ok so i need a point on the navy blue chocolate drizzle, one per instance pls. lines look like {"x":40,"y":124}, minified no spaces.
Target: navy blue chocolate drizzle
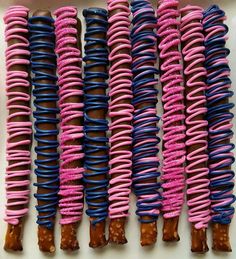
{"x":219,"y":112}
{"x":96,"y":165}
{"x":43,"y":64}
{"x":144,"y":121}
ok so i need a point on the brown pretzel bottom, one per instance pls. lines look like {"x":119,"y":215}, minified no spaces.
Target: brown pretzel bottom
{"x":170,"y":230}
{"x":199,"y":240}
{"x":13,"y":237}
{"x":46,"y":239}
{"x":221,"y":241}
{"x":69,"y":240}
{"x":97,"y":234}
{"x":148,"y":233}
{"x":117,"y":231}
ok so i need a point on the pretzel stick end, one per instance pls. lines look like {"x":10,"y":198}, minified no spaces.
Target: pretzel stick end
{"x":69,"y":240}
{"x":170,"y":230}
{"x":46,"y":239}
{"x":199,"y":240}
{"x":97,"y":235}
{"x":148,"y":233}
{"x":117,"y":231}
{"x":13,"y":237}
{"x":221,"y":241}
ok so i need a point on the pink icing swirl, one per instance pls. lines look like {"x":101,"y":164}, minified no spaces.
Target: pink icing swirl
{"x":173,"y":104}
{"x":70,"y":83}
{"x":18,"y":121}
{"x":198,"y":182}
{"x":120,"y":111}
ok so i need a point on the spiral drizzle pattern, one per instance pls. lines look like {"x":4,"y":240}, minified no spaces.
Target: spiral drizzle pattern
{"x":120,"y":109}
{"x":197,"y":157}
{"x":173,"y":105}
{"x":219,"y":116}
{"x":145,"y":140}
{"x":71,"y":111}
{"x":18,"y":121}
{"x":96,"y":100}
{"x":43,"y":64}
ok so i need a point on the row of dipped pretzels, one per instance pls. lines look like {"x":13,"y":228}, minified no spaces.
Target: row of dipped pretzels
{"x":82,"y":155}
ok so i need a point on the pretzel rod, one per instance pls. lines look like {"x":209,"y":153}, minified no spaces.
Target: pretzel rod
{"x":43,"y":63}
{"x":96,"y":125}
{"x":173,"y":117}
{"x":18,"y":124}
{"x":68,"y":48}
{"x":220,"y":125}
{"x":197,"y":157}
{"x":145,"y":140}
{"x":120,"y":112}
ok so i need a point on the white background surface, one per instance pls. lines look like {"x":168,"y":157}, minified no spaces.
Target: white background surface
{"x":132,"y":250}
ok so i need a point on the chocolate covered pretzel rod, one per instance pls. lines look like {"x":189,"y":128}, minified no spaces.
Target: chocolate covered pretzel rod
{"x":96,"y":125}
{"x":173,"y":117}
{"x":219,"y":118}
{"x":43,"y":63}
{"x":197,"y":171}
{"x":18,"y":124}
{"x":120,"y":112}
{"x":68,"y":48}
{"x":145,"y":139}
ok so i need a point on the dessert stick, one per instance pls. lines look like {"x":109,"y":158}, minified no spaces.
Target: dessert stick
{"x":68,"y":48}
{"x":145,"y":139}
{"x":192,"y":40}
{"x":120,"y":112}
{"x":219,"y":118}
{"x":96,"y":125}
{"x":19,"y":126}
{"x":173,"y":117}
{"x":43,"y":63}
